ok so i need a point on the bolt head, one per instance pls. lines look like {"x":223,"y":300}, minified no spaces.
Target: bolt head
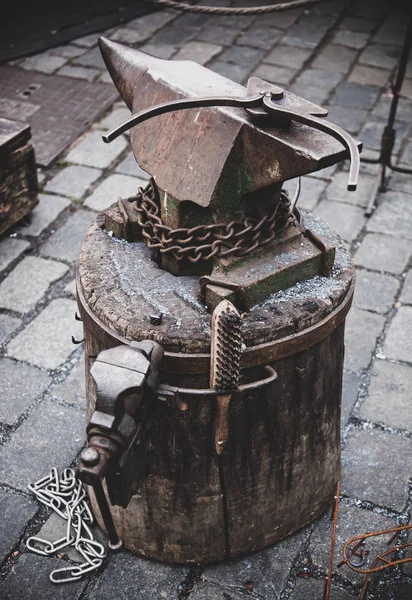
{"x":90,"y":457}
{"x":156,"y":319}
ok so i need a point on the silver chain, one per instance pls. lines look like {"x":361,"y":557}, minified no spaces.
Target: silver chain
{"x":67,"y":497}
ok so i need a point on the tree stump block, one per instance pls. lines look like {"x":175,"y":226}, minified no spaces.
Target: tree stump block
{"x":281,"y":464}
{"x":18,"y":176}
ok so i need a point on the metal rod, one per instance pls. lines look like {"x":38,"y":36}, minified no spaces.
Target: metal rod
{"x":167,"y":107}
{"x":400,"y":75}
{"x":389,"y":133}
{"x":371,"y":203}
{"x":115,"y":542}
{"x":333,"y":130}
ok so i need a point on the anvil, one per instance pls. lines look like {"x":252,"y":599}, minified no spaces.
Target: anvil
{"x":218,"y":164}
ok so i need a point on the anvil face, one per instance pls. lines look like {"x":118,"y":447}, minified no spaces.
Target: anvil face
{"x":213,"y":157}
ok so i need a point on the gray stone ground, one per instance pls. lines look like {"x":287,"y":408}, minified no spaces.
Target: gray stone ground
{"x":341,"y":54}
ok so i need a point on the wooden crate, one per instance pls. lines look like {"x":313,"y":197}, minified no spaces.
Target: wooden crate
{"x":18,"y":176}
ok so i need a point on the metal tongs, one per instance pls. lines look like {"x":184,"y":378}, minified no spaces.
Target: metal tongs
{"x":269,"y":101}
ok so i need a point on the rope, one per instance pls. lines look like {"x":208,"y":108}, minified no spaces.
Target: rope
{"x":247,"y":10}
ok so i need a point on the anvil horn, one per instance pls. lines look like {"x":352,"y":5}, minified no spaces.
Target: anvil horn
{"x":125,"y":66}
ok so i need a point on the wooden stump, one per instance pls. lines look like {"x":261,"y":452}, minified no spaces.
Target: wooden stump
{"x":281,"y":464}
{"x":18,"y":176}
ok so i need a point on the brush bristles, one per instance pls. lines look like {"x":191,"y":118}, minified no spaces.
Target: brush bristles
{"x":228,"y":351}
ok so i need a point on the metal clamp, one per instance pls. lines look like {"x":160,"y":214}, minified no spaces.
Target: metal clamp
{"x":268,"y":100}
{"x":126,"y":379}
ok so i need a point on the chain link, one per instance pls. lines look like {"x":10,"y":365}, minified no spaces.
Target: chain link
{"x":67,"y":497}
{"x":245,"y":10}
{"x":203,"y":242}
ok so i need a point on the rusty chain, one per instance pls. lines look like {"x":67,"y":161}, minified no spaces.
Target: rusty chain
{"x":244,"y":10}
{"x":203,"y":242}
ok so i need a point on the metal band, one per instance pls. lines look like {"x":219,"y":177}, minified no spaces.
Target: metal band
{"x":253,"y":356}
{"x":246,"y":387}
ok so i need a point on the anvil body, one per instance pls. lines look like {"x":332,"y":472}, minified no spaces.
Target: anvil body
{"x":215,"y":156}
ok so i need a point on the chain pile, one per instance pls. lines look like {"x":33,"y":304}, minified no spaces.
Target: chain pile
{"x":203,"y":242}
{"x":67,"y":497}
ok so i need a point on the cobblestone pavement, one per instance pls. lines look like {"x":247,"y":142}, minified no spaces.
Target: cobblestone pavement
{"x":341,"y":54}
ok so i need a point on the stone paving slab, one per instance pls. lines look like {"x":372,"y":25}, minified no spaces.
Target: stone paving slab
{"x":350,"y":390}
{"x":125,"y":572}
{"x":73,"y":181}
{"x":51,"y":436}
{"x":289,"y":56}
{"x":353,"y":39}
{"x":267,"y":570}
{"x":72,"y":390}
{"x":337,"y":189}
{"x":316,"y":84}
{"x":201,"y":52}
{"x":129,"y":166}
{"x":375,"y":291}
{"x":369,"y":75}
{"x":312,"y":190}
{"x":8,"y":324}
{"x":28,"y":282}
{"x":371,"y":133}
{"x":377,"y":55}
{"x":376,"y":468}
{"x":392,"y":216}
{"x":20,"y":385}
{"x":351,"y":119}
{"x":86,"y":73}
{"x":111,"y":189}
{"x":208,"y":591}
{"x":15,"y":512}
{"x":406,"y":295}
{"x":46,"y":62}
{"x":91,"y":151}
{"x":29,"y":580}
{"x":362,"y":331}
{"x":46,"y":341}
{"x":43,"y":214}
{"x":71,"y":288}
{"x":398,"y":343}
{"x":115,"y":117}
{"x":384,"y":253}
{"x":389,"y":400}
{"x":66,"y":242}
{"x":334,"y":57}
{"x":307,"y":589}
{"x":356,"y":95}
{"x":282,"y":75}
{"x":10,"y":250}
{"x":346,"y":219}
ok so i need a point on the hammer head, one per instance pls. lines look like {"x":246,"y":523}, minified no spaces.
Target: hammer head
{"x":218,"y":157}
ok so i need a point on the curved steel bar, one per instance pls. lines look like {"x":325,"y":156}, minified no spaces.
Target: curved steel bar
{"x":254,"y":385}
{"x":167,"y":107}
{"x":329,"y":128}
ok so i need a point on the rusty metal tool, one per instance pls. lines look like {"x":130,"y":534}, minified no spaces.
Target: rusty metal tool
{"x":226,"y":349}
{"x":268,"y":100}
